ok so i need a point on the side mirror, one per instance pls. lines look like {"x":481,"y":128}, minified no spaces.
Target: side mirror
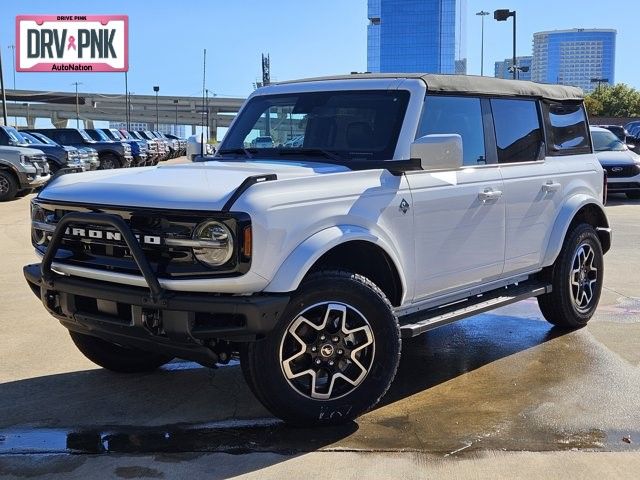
{"x":438,"y":152}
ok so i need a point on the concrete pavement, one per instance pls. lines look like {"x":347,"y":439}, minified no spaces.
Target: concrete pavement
{"x":500,"y":381}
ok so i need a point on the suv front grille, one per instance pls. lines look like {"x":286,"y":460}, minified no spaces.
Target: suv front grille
{"x":105,"y":252}
{"x":622,"y":171}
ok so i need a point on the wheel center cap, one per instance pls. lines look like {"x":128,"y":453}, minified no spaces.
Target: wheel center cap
{"x":326,"y":350}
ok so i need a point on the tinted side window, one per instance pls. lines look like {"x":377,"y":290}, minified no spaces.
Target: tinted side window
{"x":518,"y":132}
{"x":567,"y":128}
{"x":461,"y":115}
{"x":57,"y":137}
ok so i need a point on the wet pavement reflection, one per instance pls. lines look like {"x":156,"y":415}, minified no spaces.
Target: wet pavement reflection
{"x":505,"y":380}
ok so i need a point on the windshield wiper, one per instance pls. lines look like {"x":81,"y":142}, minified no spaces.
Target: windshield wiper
{"x":311,"y":151}
{"x":247,"y":153}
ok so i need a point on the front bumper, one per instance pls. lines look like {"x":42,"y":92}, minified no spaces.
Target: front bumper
{"x":180,"y":324}
{"x":623,"y":185}
{"x":33,"y":180}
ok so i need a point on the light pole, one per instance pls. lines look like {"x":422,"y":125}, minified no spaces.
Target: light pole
{"x":175,"y":131}
{"x":482,"y":14}
{"x":502,"y":16}
{"x":156,"y":89}
{"x":77,"y":104}
{"x":599,"y":81}
{"x":13,"y":54}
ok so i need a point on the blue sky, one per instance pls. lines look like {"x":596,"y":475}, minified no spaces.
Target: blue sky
{"x":303,"y":37}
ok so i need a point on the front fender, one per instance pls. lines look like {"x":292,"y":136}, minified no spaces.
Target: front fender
{"x":567,"y":212}
{"x":303,"y":257}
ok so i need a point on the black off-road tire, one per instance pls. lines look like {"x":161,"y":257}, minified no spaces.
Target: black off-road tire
{"x":633,"y":195}
{"x":8,"y":186}
{"x":263,"y":365}
{"x":109,"y":159}
{"x":559,"y":306}
{"x":117,"y":358}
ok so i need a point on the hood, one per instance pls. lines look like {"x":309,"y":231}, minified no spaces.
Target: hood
{"x":19,"y":151}
{"x":197,"y":186}
{"x":624,"y":157}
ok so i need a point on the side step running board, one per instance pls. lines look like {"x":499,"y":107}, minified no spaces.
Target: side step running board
{"x":420,"y":322}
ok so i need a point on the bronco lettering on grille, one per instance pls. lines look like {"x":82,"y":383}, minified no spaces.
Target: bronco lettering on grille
{"x":110,"y":235}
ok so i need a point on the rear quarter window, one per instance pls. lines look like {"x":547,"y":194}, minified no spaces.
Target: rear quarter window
{"x":567,"y":128}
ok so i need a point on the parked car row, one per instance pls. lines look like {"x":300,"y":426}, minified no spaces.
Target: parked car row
{"x":30,"y":157}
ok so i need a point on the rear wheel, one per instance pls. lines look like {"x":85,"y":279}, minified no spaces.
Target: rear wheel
{"x":8,"y":186}
{"x":115,"y":357}
{"x":576,"y":278}
{"x":633,"y":195}
{"x":333,"y":354}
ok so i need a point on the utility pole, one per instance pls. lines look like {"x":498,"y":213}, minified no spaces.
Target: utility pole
{"x":482,"y":14}
{"x":4,"y":94}
{"x":77,"y":104}
{"x":266,"y":81}
{"x":204,"y":79}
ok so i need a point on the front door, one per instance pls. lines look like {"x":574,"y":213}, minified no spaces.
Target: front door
{"x":459,"y":216}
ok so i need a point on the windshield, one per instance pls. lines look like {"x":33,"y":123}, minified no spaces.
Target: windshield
{"x":343,"y":125}
{"x":605,"y":141}
{"x":31,"y":140}
{"x":44,"y":139}
{"x":15,"y":137}
{"x":85,"y":136}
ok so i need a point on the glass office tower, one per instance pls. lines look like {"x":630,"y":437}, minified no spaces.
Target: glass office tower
{"x":579,"y":57}
{"x":503,"y":68}
{"x":416,"y":36}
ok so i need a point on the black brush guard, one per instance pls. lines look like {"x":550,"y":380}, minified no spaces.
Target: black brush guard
{"x":186,"y":320}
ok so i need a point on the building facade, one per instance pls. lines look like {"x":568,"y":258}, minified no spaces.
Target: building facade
{"x":503,"y":68}
{"x":579,"y":57}
{"x":416,"y":36}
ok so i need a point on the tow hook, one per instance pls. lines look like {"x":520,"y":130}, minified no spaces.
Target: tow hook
{"x":152,"y":321}
{"x":51,"y":301}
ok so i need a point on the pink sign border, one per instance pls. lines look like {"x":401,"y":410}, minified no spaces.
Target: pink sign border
{"x":98,"y":67}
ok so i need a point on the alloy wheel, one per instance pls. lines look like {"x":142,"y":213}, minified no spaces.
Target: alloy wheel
{"x":583,"y":277}
{"x":327,"y":351}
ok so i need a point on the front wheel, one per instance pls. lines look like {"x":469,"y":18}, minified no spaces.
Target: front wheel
{"x":115,"y":357}
{"x":333,"y":354}
{"x":8,"y":186}
{"x":109,"y":161}
{"x":576,"y":278}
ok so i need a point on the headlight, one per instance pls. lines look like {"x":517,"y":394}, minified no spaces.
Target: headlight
{"x":216,"y":243}
{"x":25,"y":161}
{"x":37,"y":219}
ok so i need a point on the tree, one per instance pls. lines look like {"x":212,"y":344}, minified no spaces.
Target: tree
{"x":619,"y":100}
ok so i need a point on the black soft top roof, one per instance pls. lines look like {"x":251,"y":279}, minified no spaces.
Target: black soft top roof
{"x":470,"y":84}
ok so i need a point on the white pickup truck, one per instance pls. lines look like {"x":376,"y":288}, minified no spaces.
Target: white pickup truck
{"x":406,"y":202}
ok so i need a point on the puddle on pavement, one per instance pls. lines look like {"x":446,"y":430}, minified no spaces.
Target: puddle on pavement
{"x":500,"y":381}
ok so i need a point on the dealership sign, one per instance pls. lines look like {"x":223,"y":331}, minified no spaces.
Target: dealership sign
{"x":72,"y":43}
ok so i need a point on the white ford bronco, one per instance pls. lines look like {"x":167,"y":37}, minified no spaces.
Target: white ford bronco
{"x":384,"y":206}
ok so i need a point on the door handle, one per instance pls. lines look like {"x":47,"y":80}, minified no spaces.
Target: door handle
{"x":488,"y":194}
{"x":551,"y":186}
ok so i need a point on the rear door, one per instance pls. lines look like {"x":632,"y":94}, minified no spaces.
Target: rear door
{"x":532,"y":187}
